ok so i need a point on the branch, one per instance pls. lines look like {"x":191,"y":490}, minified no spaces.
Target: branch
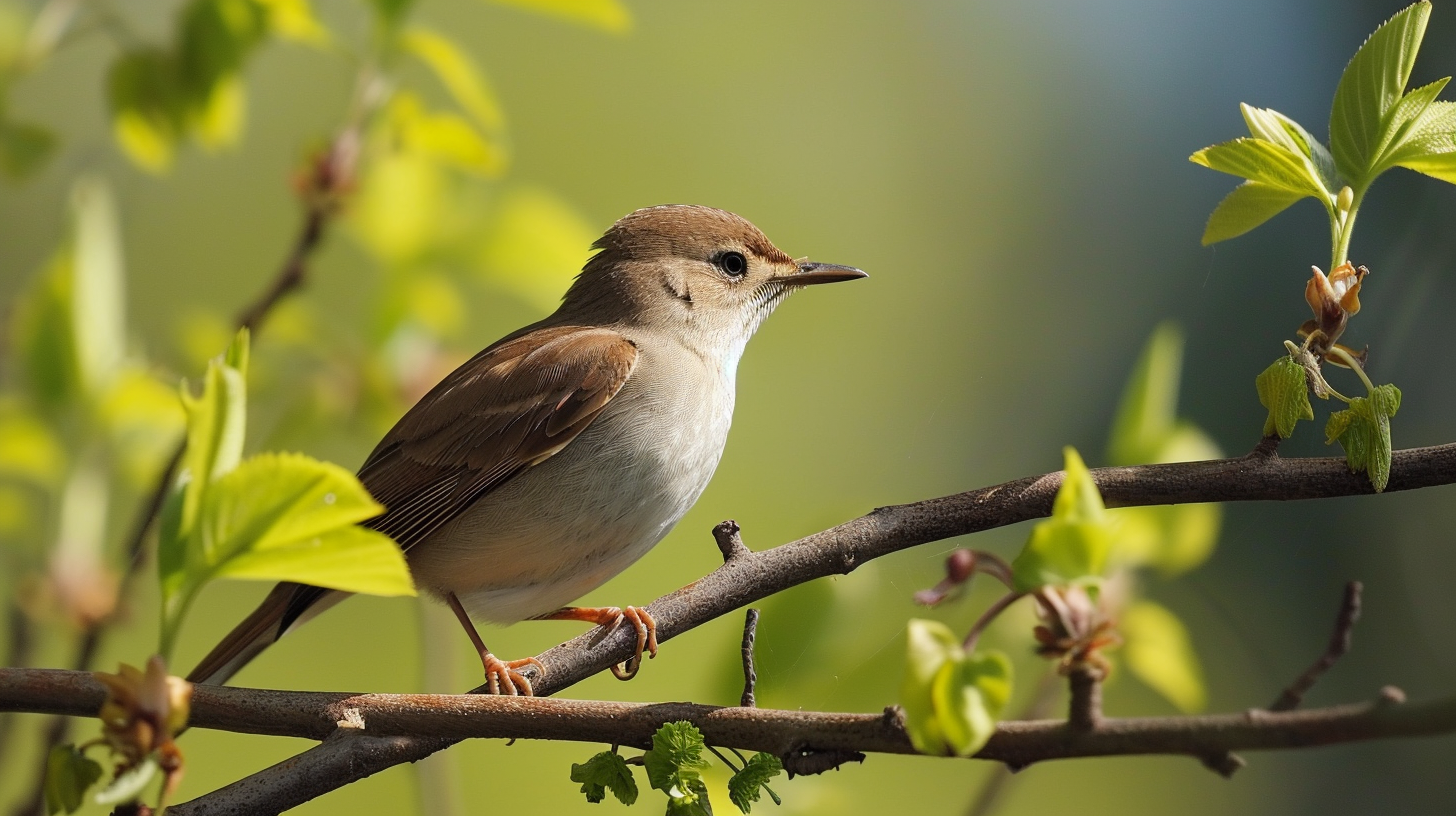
{"x":1339,"y":645}
{"x":747,"y":576}
{"x":339,"y":718}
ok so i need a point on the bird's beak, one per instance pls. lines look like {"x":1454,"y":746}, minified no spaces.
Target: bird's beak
{"x":811,"y":273}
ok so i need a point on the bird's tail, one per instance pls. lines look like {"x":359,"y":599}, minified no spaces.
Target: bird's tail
{"x":287,"y":606}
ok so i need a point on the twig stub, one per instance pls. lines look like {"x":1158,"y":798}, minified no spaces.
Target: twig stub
{"x":730,"y":540}
{"x":1339,"y":644}
{"x":750,"y":676}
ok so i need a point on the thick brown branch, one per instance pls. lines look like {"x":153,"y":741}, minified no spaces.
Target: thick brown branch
{"x":343,"y":717}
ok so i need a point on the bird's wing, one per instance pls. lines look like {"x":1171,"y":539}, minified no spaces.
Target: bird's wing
{"x":512,"y":406}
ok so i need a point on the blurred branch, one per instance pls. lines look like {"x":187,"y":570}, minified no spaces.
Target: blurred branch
{"x":340,"y":719}
{"x":1339,"y":645}
{"x":750,"y":576}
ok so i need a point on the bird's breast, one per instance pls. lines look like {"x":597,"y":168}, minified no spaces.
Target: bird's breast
{"x":567,"y":525}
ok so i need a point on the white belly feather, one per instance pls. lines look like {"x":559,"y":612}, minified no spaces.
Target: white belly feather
{"x":567,"y":525}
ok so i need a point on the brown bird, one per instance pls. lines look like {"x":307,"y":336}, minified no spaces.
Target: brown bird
{"x":559,"y":455}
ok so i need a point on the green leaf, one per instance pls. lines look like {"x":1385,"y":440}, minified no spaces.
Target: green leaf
{"x":216,"y":117}
{"x":608,"y":15}
{"x":29,"y":450}
{"x":147,"y":106}
{"x":1160,"y":652}
{"x":1273,"y":126}
{"x":24,"y":148}
{"x":294,"y":20}
{"x":535,"y":245}
{"x":1430,"y":146}
{"x":128,"y":786}
{"x":1246,"y":207}
{"x":606,"y":771}
{"x":1149,"y":405}
{"x":69,"y":774}
{"x":98,"y":293}
{"x":44,"y":338}
{"x":758,"y":771}
{"x":216,"y":423}
{"x":443,"y":136}
{"x":951,"y":700}
{"x":970,"y":694}
{"x":1172,"y":539}
{"x":215,"y":37}
{"x":288,"y":517}
{"x":1363,"y":430}
{"x":1369,"y":90}
{"x":676,"y":756}
{"x":458,"y":74}
{"x":1266,"y":162}
{"x":1284,"y":390}
{"x":1072,"y":545}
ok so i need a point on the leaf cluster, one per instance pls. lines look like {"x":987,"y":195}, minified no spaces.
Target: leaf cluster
{"x":1375,"y":125}
{"x":281,"y":517}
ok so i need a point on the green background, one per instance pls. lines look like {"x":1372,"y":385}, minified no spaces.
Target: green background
{"x":1014,"y":177}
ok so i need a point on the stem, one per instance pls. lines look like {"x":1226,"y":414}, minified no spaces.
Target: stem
{"x":991,"y":613}
{"x":1355,"y":366}
{"x":1342,"y":243}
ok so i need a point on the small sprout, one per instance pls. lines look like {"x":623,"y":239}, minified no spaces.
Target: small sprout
{"x":1345,"y":200}
{"x":960,"y":567}
{"x":142,"y":714}
{"x":1075,"y":627}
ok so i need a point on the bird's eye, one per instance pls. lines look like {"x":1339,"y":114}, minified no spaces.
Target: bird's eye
{"x":733,"y":263}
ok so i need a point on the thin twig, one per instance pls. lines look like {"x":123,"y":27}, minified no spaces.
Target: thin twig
{"x":992,"y":612}
{"x":750,"y":677}
{"x":1339,"y":644}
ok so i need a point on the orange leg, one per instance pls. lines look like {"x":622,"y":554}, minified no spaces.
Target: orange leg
{"x":501,"y":676}
{"x":610,"y":617}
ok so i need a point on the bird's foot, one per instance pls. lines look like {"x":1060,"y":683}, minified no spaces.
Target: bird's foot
{"x":504,"y":677}
{"x":609,"y":617}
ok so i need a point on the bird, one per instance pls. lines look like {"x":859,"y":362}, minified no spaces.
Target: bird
{"x":562,"y":453}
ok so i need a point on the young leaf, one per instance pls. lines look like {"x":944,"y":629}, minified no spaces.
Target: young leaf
{"x":147,"y":106}
{"x":98,"y":294}
{"x":1246,"y":207}
{"x":1072,"y":545}
{"x":1430,"y":145}
{"x":757,"y":772}
{"x":951,"y":700}
{"x":458,"y":74}
{"x":1363,"y":430}
{"x":930,"y":645}
{"x":294,"y":20}
{"x":606,"y":771}
{"x":1265,"y":162}
{"x":534,"y":247}
{"x":216,"y":422}
{"x":609,"y":15}
{"x":444,"y":136}
{"x":676,"y":756}
{"x":1370,"y":88}
{"x":969,"y":694}
{"x":1273,"y":126}
{"x":68,"y":775}
{"x":1149,"y":405}
{"x":1284,"y":390}
{"x":1160,"y":652}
